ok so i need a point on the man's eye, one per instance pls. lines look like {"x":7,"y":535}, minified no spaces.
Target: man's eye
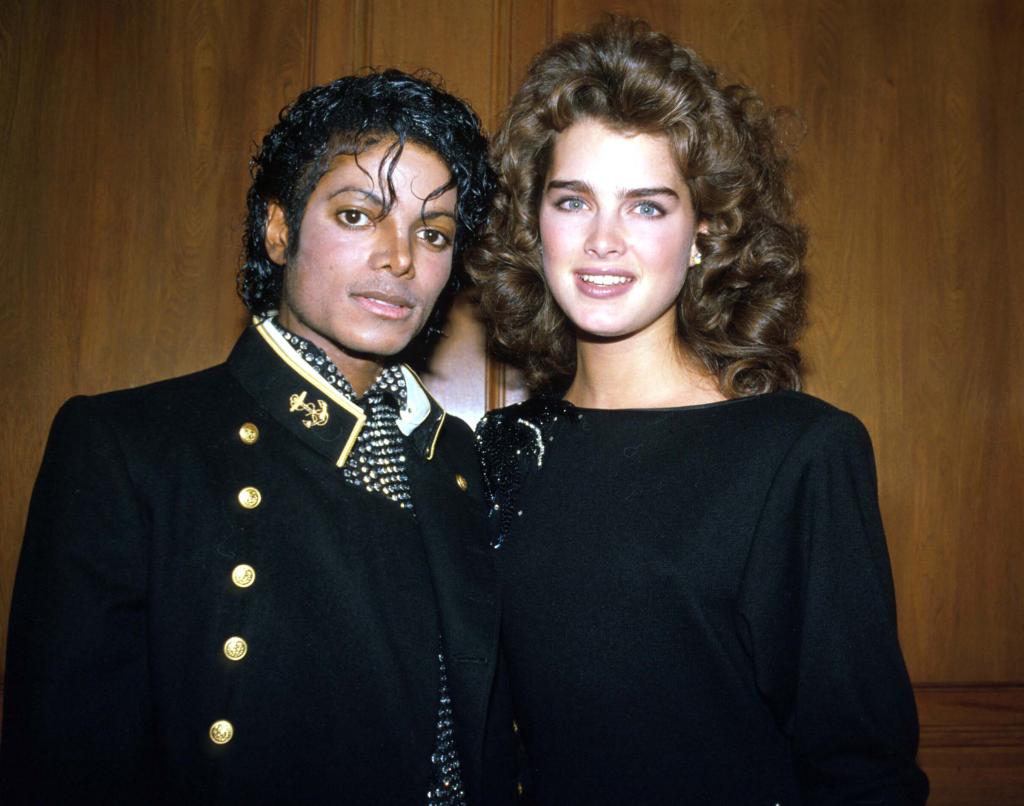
{"x":435,"y":237}
{"x":354,"y":218}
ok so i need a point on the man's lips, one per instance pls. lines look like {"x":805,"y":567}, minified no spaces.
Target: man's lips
{"x":385,"y":303}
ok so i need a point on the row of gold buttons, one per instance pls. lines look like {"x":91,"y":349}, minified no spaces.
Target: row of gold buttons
{"x":242,"y":576}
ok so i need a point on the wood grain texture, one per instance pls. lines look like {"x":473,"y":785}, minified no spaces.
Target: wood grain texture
{"x":972,"y":744}
{"x":127,"y":130}
{"x":340,"y":38}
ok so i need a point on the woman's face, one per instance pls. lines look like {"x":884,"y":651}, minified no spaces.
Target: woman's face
{"x":617,"y":228}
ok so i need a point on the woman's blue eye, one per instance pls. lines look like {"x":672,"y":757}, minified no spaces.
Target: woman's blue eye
{"x":571,"y":204}
{"x":648,"y":209}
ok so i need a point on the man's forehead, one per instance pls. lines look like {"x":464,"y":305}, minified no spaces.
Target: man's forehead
{"x":369,"y":171}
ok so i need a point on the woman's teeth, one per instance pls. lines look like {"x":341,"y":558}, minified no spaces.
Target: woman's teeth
{"x":605,"y":279}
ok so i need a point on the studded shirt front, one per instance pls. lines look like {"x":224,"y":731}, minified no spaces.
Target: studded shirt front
{"x":377,"y":461}
{"x":378,"y":465}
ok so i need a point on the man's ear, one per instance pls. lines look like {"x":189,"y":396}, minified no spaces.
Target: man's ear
{"x":276,"y":240}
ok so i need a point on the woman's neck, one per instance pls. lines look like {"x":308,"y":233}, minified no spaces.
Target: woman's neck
{"x":644,"y":371}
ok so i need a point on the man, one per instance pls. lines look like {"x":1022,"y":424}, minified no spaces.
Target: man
{"x":267,"y":582}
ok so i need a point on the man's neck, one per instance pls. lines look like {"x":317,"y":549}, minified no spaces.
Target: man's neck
{"x":359,"y":370}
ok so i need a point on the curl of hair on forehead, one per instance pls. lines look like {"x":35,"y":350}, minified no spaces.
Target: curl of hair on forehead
{"x":742,"y":309}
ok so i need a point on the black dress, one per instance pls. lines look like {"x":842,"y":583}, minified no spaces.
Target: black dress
{"x":698,"y":605}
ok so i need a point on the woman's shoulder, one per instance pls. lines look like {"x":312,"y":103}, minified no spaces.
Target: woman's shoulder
{"x":798,"y":410}
{"x":537,"y":409}
{"x":803,"y":413}
{"x":800,"y":429}
{"x":527,"y":422}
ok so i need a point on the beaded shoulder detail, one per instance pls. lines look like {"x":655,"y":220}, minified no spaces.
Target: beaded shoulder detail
{"x":512,"y":441}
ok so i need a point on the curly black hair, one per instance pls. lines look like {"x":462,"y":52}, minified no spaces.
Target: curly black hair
{"x":348,"y":116}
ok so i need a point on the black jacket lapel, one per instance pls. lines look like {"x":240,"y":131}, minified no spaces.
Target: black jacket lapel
{"x":295,"y":395}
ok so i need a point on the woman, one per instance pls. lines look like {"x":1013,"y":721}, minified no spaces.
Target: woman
{"x":698,"y":605}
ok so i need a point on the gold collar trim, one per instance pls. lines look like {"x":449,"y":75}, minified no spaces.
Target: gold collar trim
{"x":287,"y":354}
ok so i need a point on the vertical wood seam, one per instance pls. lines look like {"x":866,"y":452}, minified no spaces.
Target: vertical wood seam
{"x":367,"y":14}
{"x":311,"y":34}
{"x":501,"y":92}
{"x":501,"y":60}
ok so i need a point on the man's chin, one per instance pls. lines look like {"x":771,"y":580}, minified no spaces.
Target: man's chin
{"x":381,"y":346}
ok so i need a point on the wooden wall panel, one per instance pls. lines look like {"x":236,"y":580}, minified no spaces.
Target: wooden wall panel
{"x":126,"y":131}
{"x":972,"y":744}
{"x":339,"y":39}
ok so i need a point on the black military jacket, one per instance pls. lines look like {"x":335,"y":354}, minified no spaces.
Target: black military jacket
{"x":172,"y":523}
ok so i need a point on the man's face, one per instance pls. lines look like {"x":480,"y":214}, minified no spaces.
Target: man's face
{"x":360,"y":286}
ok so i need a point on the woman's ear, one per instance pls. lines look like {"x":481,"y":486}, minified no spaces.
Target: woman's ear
{"x":695,"y":255}
{"x":276,"y":239}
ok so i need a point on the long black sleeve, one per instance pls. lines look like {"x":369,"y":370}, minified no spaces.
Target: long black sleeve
{"x":77,"y":712}
{"x":819,"y":602}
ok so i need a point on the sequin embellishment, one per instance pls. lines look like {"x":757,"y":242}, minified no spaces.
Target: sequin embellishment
{"x":377,"y":461}
{"x":507,"y":440}
{"x":446,"y":789}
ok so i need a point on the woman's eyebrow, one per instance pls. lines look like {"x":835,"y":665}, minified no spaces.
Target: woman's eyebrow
{"x":579,"y":186}
{"x":656,"y":191}
{"x":575,"y":185}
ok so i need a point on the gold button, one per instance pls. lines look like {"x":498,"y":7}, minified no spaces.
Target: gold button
{"x":249,"y":497}
{"x":221,"y":731}
{"x":243,"y":575}
{"x":235,"y":648}
{"x":248,"y":433}
{"x":461,"y":481}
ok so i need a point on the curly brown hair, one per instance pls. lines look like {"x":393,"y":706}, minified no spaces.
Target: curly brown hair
{"x":741,"y":310}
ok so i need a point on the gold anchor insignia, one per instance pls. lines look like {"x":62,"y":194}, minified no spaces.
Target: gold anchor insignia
{"x":316,"y":414}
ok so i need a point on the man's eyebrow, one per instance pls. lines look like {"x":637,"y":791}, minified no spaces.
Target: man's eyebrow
{"x":369,"y":195}
{"x":430,"y":215}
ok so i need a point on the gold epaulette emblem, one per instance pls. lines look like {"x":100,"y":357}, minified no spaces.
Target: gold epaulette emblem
{"x":316,"y":413}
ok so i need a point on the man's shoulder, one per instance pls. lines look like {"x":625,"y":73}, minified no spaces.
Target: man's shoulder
{"x":178,"y":395}
{"x":162,"y":415}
